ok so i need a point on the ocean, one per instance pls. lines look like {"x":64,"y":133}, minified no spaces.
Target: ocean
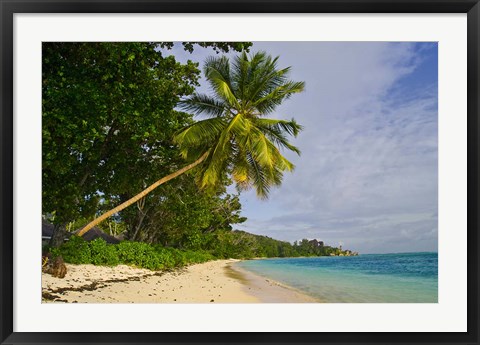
{"x":367,"y":278}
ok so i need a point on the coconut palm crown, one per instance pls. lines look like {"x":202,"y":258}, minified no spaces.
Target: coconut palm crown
{"x":236,"y":136}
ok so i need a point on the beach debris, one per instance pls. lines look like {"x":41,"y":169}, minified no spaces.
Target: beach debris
{"x":52,"y":297}
{"x":49,"y":294}
{"x":56,"y":267}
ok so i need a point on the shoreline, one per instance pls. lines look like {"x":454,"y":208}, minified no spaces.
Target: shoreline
{"x":268,"y":290}
{"x":218,"y":281}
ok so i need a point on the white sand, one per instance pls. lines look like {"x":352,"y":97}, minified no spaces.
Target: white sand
{"x":210,"y":282}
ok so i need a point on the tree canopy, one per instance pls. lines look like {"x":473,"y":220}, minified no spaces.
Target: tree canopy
{"x":108,"y":119}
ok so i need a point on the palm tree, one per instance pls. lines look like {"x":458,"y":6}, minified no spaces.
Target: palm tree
{"x":235,"y":137}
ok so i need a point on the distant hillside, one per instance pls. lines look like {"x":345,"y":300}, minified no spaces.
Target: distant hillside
{"x":242,"y":244}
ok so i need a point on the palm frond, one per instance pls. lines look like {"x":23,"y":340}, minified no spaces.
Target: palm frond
{"x":280,"y":162}
{"x":266,"y":81}
{"x":200,"y":133}
{"x":269,"y":101}
{"x":211,"y":171}
{"x":240,"y":74}
{"x":217,"y":72}
{"x":291,"y":127}
{"x":261,"y":150}
{"x":274,"y":130}
{"x":203,"y":104}
{"x":222,"y":150}
{"x":240,"y":168}
{"x":258,"y":178}
{"x":262,"y":161}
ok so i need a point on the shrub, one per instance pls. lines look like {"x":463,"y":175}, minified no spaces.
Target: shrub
{"x":197,"y":256}
{"x":131,"y":253}
{"x":74,"y":251}
{"x":102,"y":253}
{"x":139,"y":254}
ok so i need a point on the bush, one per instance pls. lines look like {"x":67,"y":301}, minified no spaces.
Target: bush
{"x":103,"y":254}
{"x":139,"y":254}
{"x":74,"y":251}
{"x":170,"y":257}
{"x":197,"y":256}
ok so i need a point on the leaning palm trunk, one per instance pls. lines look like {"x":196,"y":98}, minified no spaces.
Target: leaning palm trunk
{"x":140,"y":195}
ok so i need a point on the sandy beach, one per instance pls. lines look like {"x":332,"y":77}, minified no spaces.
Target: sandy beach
{"x":211,"y":282}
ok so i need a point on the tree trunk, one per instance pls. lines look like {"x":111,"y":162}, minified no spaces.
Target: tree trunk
{"x":141,"y":195}
{"x":139,"y":223}
{"x":58,"y":236}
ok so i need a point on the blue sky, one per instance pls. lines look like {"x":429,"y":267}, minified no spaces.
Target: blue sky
{"x":367,"y":176}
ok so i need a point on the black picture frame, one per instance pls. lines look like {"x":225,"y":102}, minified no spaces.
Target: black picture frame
{"x":10,"y":7}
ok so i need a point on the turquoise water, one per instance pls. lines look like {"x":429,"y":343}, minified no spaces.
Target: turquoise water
{"x":368,"y":278}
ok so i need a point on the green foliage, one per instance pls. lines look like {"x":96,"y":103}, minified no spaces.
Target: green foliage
{"x":108,"y":118}
{"x":141,"y":255}
{"x":102,"y":253}
{"x":99,"y":132}
{"x":113,"y":227}
{"x":315,"y":248}
{"x":74,"y":251}
{"x":197,"y":256}
{"x":138,"y":254}
{"x":218,"y":46}
{"x":184,"y":214}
